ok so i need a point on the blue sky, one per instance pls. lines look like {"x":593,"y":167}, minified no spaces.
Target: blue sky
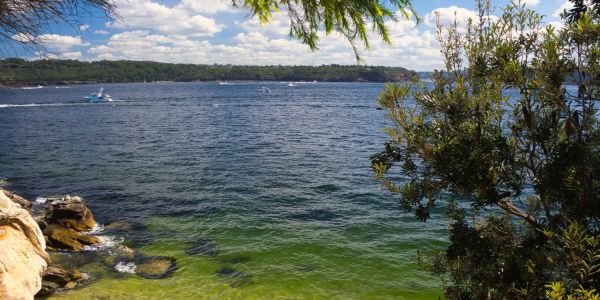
{"x":211,"y":31}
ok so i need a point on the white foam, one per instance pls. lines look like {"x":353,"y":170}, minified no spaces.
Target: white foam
{"x":40,"y":200}
{"x":124,"y":267}
{"x":97,"y":229}
{"x":85,"y":276}
{"x":38,"y":105}
{"x":106,"y":242}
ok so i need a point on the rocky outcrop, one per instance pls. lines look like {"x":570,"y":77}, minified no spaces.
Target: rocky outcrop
{"x":56,"y":278}
{"x":66,"y":221}
{"x":22,"y":251}
{"x":59,"y":237}
{"x":69,"y":212}
{"x":22,"y":202}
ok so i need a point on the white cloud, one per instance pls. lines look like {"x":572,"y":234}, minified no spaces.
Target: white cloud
{"x":84,"y":27}
{"x":70,"y":55}
{"x":172,"y":34}
{"x":54,"y":42}
{"x":22,"y":38}
{"x":256,"y":45}
{"x":566,"y":5}
{"x":209,"y":7}
{"x":278,"y":26}
{"x":61,"y":42}
{"x":145,"y":14}
{"x":531,"y":2}
{"x":103,"y":32}
{"x":446,"y":16}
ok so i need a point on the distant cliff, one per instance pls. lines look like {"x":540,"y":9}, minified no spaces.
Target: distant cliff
{"x":15,"y":72}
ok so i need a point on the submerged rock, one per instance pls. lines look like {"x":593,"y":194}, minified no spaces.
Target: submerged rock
{"x":74,"y":260}
{"x":22,"y":252}
{"x":126,"y":261}
{"x":228,"y":272}
{"x":155,"y":267}
{"x":70,"y":212}
{"x":203,"y":247}
{"x":124,"y":252}
{"x":238,"y":278}
{"x":134,"y":233}
{"x":59,"y":237}
{"x":121,"y":226}
{"x":55,"y":278}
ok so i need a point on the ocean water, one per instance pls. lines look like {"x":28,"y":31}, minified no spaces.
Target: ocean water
{"x":276,"y":186}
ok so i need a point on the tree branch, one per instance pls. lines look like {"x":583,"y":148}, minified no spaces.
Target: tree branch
{"x":513,"y":210}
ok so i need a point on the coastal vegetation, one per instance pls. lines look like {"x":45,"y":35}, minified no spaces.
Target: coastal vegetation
{"x":499,"y":142}
{"x":16,"y":71}
{"x":509,"y":151}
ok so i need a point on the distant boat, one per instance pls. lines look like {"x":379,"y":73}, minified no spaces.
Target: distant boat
{"x":32,"y":87}
{"x":99,"y":96}
{"x":62,"y":87}
{"x":224,"y":83}
{"x":291,"y":84}
{"x":265,"y":89}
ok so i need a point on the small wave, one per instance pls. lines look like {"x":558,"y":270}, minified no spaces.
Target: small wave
{"x":53,"y":104}
{"x":126,"y":267}
{"x":97,"y":229}
{"x":327,"y":188}
{"x":40,"y":200}
{"x":36,"y":105}
{"x":106,"y":242}
{"x":85,"y":276}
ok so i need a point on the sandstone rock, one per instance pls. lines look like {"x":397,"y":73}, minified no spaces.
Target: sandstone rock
{"x":55,"y":278}
{"x":59,"y":237}
{"x":22,"y":252}
{"x":124,"y":252}
{"x":155,"y":267}
{"x":23,"y":203}
{"x":41,"y":222}
{"x":70,"y":212}
{"x":118,"y":226}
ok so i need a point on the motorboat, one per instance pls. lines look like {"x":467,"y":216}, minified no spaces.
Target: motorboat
{"x":265,"y":89}
{"x":291,"y":84}
{"x":99,"y":96}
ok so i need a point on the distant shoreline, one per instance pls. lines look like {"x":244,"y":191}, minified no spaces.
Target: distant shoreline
{"x":231,"y":82}
{"x":16,"y":72}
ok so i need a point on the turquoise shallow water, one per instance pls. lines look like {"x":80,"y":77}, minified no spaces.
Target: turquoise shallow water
{"x":276,"y":186}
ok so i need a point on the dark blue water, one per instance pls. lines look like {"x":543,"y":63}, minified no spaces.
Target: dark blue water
{"x":282,"y":177}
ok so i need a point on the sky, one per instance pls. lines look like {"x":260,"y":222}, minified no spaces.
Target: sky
{"x":211,"y":31}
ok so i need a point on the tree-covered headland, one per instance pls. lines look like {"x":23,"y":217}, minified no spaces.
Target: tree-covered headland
{"x":14,"y":72}
{"x":519,"y":176}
